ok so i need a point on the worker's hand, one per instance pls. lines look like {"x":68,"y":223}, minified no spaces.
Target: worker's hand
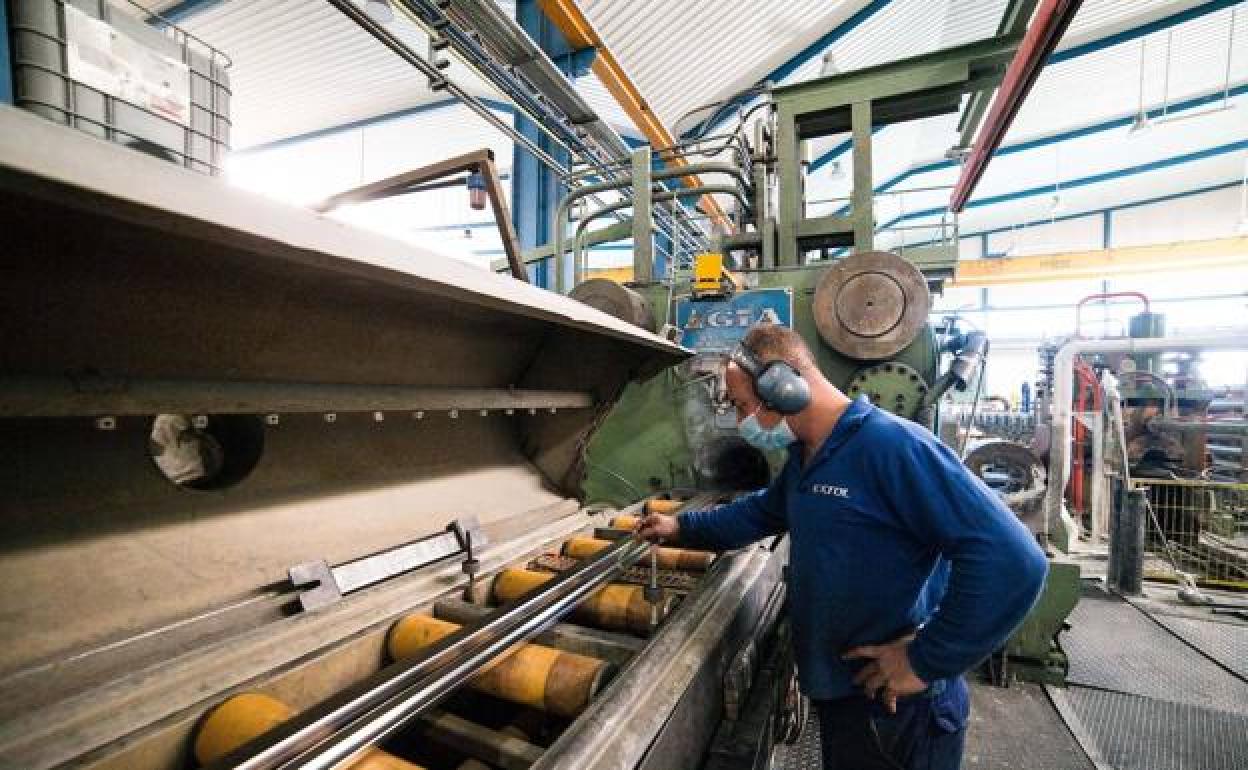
{"x":658,"y":527}
{"x":887,"y":676}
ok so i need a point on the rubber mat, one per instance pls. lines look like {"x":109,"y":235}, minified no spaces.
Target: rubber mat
{"x":1226,"y":643}
{"x":1114,"y":646}
{"x":1130,"y":732}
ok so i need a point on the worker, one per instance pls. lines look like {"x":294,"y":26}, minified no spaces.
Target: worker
{"x":905,"y":570}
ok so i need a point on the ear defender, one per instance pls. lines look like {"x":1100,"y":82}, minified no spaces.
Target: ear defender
{"x":778,"y":385}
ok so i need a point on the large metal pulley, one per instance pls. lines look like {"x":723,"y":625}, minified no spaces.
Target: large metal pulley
{"x":616,"y":300}
{"x":871,"y":305}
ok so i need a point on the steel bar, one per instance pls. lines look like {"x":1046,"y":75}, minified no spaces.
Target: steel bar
{"x":324,"y":738}
{"x":610,"y":646}
{"x":68,"y":397}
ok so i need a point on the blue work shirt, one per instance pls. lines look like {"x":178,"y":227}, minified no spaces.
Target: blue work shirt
{"x":889,"y":532}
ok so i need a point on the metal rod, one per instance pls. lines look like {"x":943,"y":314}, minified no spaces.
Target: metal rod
{"x":323,"y":740}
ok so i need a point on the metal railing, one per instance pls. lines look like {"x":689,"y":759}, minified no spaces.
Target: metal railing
{"x":1199,"y":527}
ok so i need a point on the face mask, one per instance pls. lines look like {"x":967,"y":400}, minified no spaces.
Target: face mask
{"x":777,"y":436}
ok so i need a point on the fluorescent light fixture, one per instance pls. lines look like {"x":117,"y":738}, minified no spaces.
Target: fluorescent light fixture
{"x":1176,"y":117}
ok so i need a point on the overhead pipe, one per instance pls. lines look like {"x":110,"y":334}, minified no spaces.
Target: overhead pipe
{"x":578,"y":269}
{"x":1046,"y":29}
{"x":1141,"y":296}
{"x":617,"y":183}
{"x":1063,"y":383}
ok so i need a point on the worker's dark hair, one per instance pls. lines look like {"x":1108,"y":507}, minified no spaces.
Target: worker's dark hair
{"x":772,"y":342}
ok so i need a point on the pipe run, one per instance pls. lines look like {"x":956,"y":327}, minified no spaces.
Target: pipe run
{"x":1063,"y":384}
{"x":578,"y":269}
{"x":626,"y":180}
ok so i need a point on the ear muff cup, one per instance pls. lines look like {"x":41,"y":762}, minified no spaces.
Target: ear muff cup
{"x":777,"y":384}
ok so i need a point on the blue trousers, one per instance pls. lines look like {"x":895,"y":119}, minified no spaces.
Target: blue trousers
{"x":927,"y":732}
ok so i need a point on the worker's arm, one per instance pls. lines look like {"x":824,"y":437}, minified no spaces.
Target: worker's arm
{"x":737,"y":524}
{"x":996,"y":570}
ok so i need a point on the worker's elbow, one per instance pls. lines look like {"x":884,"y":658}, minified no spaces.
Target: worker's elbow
{"x":1035,"y":569}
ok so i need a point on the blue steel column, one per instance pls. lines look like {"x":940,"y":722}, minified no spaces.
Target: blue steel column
{"x":6,"y":57}
{"x":535,"y":190}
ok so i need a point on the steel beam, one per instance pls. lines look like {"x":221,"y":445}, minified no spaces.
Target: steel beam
{"x":6,"y":58}
{"x":643,"y":219}
{"x":1051,"y":21}
{"x":535,"y":189}
{"x":578,"y":31}
{"x":863,"y":196}
{"x":1095,"y":263}
{"x":901,"y":90}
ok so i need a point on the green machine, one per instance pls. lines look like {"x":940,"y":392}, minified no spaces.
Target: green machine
{"x":864,"y":315}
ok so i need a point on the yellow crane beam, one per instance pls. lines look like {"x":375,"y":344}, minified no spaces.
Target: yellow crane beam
{"x":1100,"y":263}
{"x":581,"y":34}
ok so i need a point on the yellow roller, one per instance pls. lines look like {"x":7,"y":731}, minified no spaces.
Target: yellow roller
{"x":659,"y":505}
{"x":668,"y":558}
{"x":625,"y":521}
{"x":615,"y":607}
{"x":534,"y":675}
{"x":251,"y":714}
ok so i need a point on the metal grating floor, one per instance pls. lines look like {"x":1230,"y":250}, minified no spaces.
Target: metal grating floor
{"x":1226,"y":643}
{"x":1017,"y":728}
{"x":1112,"y":645}
{"x":1130,"y":732}
{"x":805,"y":754}
{"x":1011,"y":729}
{"x":1150,"y":689}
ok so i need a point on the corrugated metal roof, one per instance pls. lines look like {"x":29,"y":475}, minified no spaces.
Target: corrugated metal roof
{"x":684,"y":54}
{"x":1106,"y":83}
{"x":904,"y":29}
{"x":301,"y":66}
